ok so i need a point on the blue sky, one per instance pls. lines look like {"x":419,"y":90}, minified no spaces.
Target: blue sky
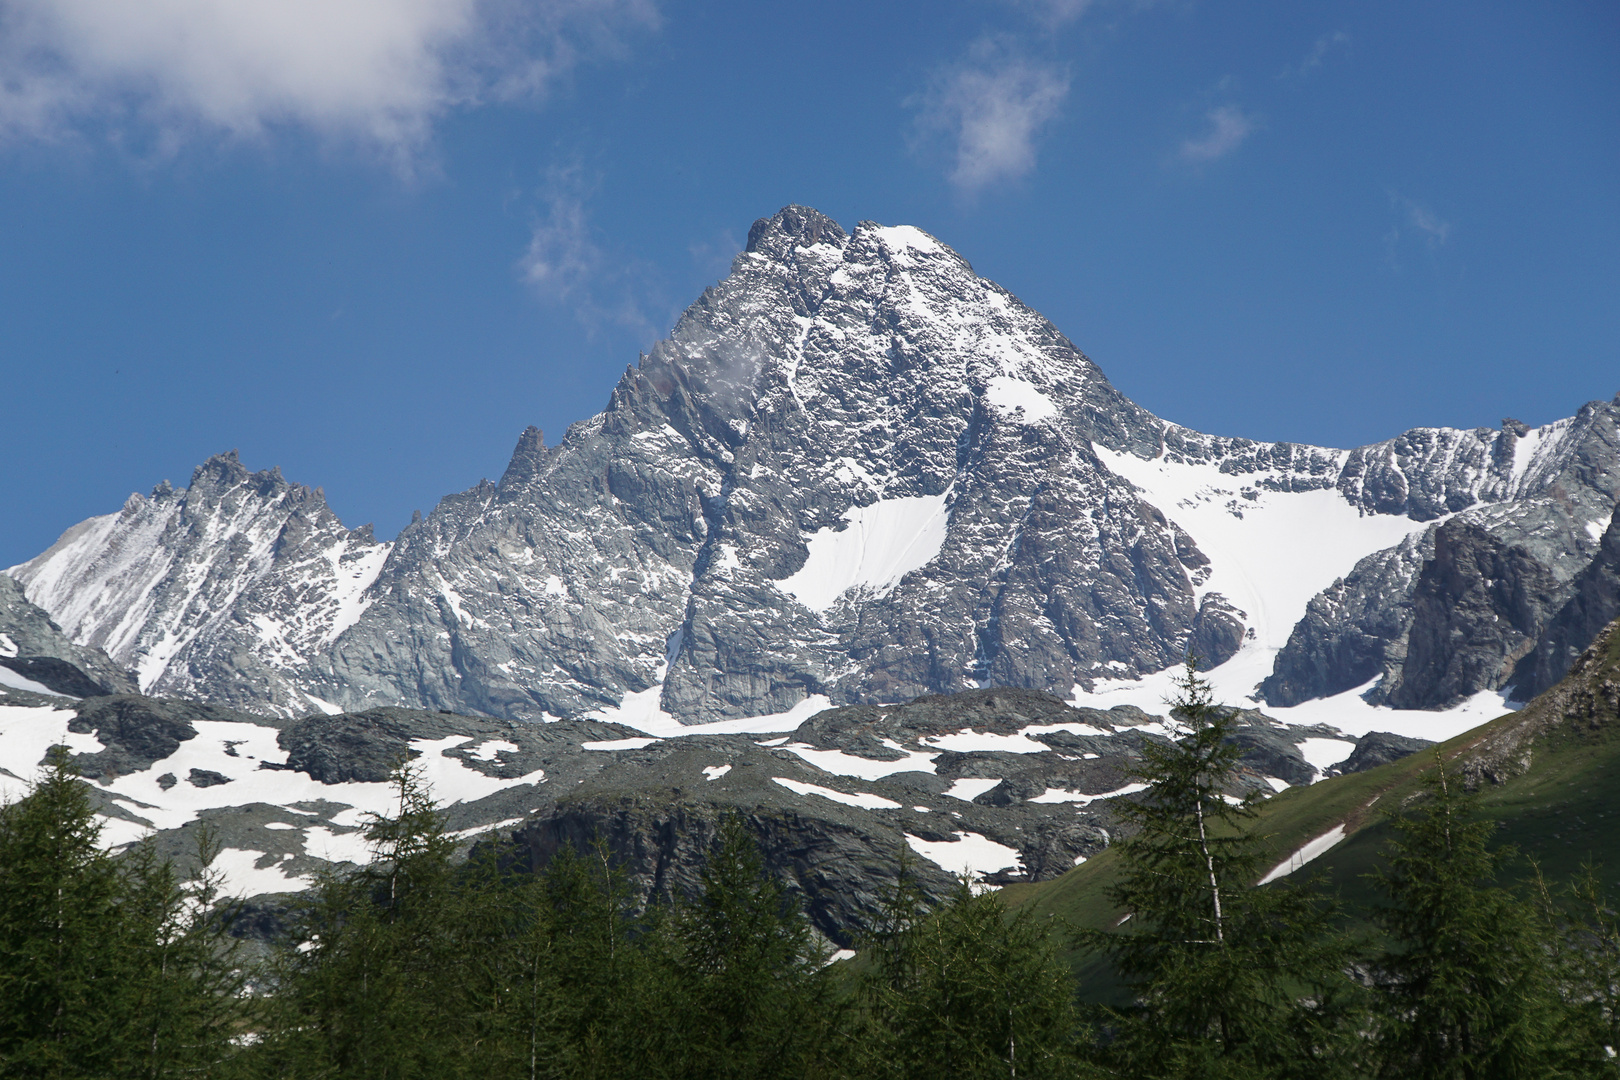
{"x":370,"y":240}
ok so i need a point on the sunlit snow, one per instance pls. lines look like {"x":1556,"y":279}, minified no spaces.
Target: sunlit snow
{"x":1058,"y":795}
{"x":1305,"y":854}
{"x":871,"y":551}
{"x":969,"y":853}
{"x":968,"y":788}
{"x":1019,"y":398}
{"x":861,"y":799}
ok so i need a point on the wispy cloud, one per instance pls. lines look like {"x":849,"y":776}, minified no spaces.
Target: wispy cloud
{"x":562,"y":257}
{"x":1229,"y":126}
{"x":1326,"y":45}
{"x":1421,"y":219}
{"x":992,"y":110}
{"x":1054,"y":13}
{"x":378,"y":72}
{"x":1417,"y":221}
{"x":566,"y":265}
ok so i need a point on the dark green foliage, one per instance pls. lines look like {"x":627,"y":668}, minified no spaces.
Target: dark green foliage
{"x":373,"y":983}
{"x":184,"y":998}
{"x":742,"y":991}
{"x":966,"y":991}
{"x":1466,"y":989}
{"x":1588,"y":970}
{"x":107,"y":969}
{"x":1229,"y":980}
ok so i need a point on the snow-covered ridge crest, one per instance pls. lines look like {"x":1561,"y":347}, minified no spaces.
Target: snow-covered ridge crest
{"x":234,"y":562}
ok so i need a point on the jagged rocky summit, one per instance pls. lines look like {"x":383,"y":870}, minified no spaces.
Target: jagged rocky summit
{"x":855,"y":473}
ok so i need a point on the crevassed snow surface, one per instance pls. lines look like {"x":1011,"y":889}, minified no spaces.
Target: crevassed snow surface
{"x":876,"y":546}
{"x":861,"y":799}
{"x":969,"y":853}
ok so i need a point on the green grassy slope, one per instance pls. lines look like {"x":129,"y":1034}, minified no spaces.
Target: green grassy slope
{"x":1549,"y":773}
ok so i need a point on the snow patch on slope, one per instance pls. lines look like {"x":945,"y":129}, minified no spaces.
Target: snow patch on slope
{"x":877,"y":546}
{"x":1019,"y":398}
{"x":969,"y":853}
{"x":1319,"y":846}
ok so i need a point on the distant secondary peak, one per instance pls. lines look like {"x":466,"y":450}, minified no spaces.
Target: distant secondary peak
{"x":793,"y":226}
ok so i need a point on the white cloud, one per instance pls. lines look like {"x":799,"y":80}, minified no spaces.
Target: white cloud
{"x":566,"y":265}
{"x":1427,"y":222}
{"x":1430,"y":226}
{"x":1327,"y":43}
{"x":376,"y":71}
{"x":1228,"y":127}
{"x":1055,"y":13}
{"x":992,"y":108}
{"x":561,"y":257}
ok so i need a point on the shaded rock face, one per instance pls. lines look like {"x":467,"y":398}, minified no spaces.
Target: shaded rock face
{"x":1585,"y":701}
{"x":34,"y":647}
{"x":854,"y":469}
{"x":1378,"y":748}
{"x":1594,"y":603}
{"x":1476,"y":610}
{"x":137,"y":731}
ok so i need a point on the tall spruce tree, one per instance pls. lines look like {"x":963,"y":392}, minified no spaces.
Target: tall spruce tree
{"x":967,"y":991}
{"x":371,"y":984}
{"x":64,"y":948}
{"x":744,"y":991}
{"x":186,"y":997}
{"x":1228,"y":980}
{"x":1589,"y":972}
{"x":1466,"y":989}
{"x":594,"y":947}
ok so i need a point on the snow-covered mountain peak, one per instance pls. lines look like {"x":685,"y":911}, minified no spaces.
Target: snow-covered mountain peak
{"x":857,"y":471}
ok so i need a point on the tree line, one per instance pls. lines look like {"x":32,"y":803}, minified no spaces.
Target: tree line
{"x":420,"y":965}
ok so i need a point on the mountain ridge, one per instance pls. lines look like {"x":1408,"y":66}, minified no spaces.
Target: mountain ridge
{"x":863,"y":402}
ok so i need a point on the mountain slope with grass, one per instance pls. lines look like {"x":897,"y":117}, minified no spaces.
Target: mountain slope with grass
{"x":1544,"y":773}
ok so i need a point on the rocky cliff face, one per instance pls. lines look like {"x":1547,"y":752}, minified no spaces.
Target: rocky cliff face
{"x":218,"y":590}
{"x":1009,"y":785}
{"x":857,"y":471}
{"x":1594,"y":602}
{"x":43,"y":658}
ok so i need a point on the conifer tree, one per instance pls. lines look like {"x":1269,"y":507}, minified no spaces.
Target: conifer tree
{"x":1466,"y":989}
{"x":1586,"y":970}
{"x":744,"y":994}
{"x":63,"y":945}
{"x":589,"y":952}
{"x":185,"y":998}
{"x":371,"y":983}
{"x":1228,"y":980}
{"x":966,"y":991}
